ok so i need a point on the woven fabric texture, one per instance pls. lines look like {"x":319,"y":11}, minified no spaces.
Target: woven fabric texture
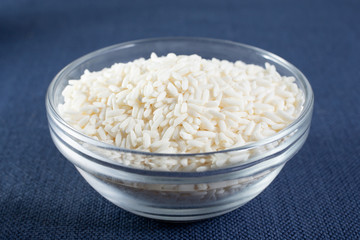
{"x":317,"y":194}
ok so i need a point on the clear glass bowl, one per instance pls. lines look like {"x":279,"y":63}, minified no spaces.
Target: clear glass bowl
{"x":177,"y":196}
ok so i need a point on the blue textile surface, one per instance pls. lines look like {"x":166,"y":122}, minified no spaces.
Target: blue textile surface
{"x":317,"y":194}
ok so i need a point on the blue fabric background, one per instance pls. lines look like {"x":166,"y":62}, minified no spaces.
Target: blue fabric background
{"x":316,"y":196}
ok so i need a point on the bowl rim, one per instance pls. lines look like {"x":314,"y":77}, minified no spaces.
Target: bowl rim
{"x":306,"y":111}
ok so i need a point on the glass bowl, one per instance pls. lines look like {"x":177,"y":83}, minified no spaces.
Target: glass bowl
{"x":175,"y":195}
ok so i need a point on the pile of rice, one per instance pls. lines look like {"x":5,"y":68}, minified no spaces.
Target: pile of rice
{"x":181,"y":104}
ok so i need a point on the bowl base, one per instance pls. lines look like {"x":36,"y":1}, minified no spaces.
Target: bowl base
{"x":157,"y":206}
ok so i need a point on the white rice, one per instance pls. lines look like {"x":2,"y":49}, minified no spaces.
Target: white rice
{"x":181,"y":104}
